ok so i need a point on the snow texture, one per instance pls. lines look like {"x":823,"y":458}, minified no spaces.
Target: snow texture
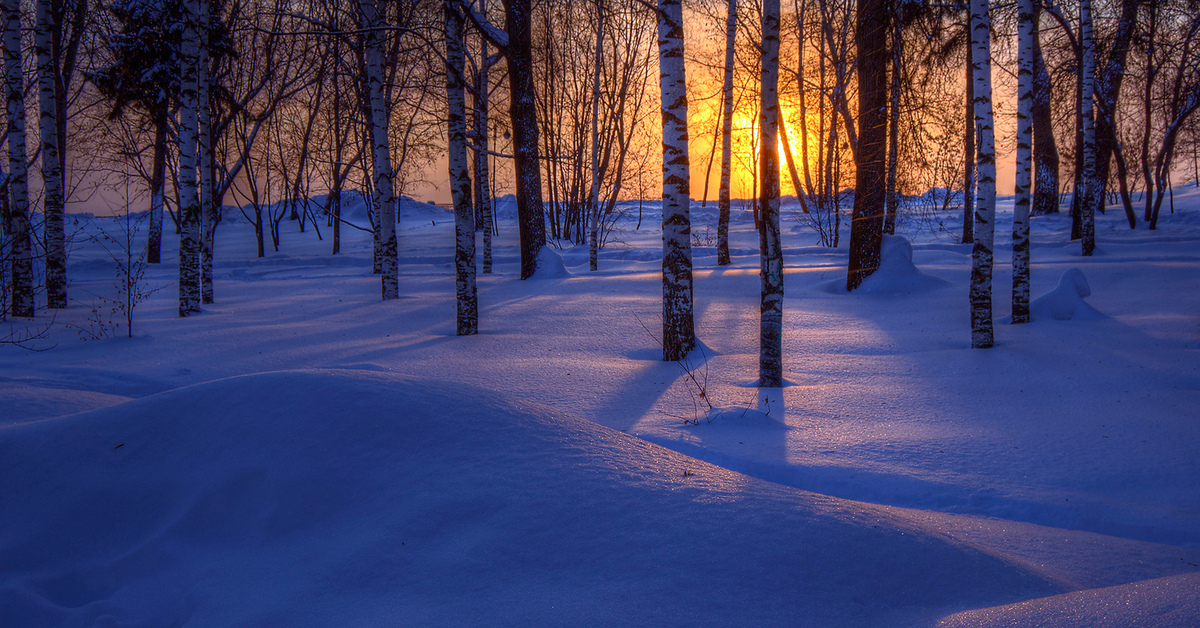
{"x":1066,"y":301}
{"x":550,"y":265}
{"x":303,"y":453}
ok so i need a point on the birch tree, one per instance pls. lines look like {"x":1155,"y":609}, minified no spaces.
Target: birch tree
{"x":723,"y":200}
{"x":866,"y":227}
{"x":679,"y":336}
{"x":1022,"y":200}
{"x":52,"y":172}
{"x":460,"y":178}
{"x":594,"y":195}
{"x":382,"y":161}
{"x":209,"y":206}
{"x":1087,"y":112}
{"x":17,"y":186}
{"x":189,"y":201}
{"x":770,"y":360}
{"x":483,"y":192}
{"x":985,"y":202}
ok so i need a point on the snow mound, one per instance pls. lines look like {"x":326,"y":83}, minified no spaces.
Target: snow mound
{"x":1169,"y":602}
{"x":550,"y":265}
{"x":896,"y":274}
{"x":323,"y":498}
{"x":1066,"y":301}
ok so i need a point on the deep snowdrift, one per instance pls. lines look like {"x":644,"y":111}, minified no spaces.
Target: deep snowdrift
{"x":356,"y":498}
{"x":1161,"y":603}
{"x":241,"y":495}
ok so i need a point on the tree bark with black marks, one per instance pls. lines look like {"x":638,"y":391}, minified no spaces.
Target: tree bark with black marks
{"x":53,"y":210}
{"x":188,"y":141}
{"x":209,"y":206}
{"x":770,"y":360}
{"x":23,"y":304}
{"x":1087,"y":206}
{"x":1022,"y":199}
{"x":467,"y":320}
{"x":679,"y":334}
{"x":382,"y":171}
{"x":982,"y":336}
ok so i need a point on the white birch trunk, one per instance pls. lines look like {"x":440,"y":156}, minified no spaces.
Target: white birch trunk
{"x":723,"y":200}
{"x":467,"y":322}
{"x":380,"y":149}
{"x":985,"y":201}
{"x":18,"y":190}
{"x":52,"y":181}
{"x":208,"y":204}
{"x":1023,"y":195}
{"x":189,"y":201}
{"x":679,"y":334}
{"x":770,"y":361}
{"x":594,"y":194}
{"x":1087,"y":222}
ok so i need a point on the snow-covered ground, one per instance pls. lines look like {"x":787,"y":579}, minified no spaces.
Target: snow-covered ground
{"x":304,"y":454}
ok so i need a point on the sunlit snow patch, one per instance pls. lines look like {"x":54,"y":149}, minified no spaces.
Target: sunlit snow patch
{"x":1163,"y":603}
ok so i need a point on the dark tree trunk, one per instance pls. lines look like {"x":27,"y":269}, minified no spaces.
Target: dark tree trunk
{"x":870,"y":192}
{"x":723,"y":202}
{"x":1045,"y":151}
{"x":158,"y":178}
{"x":893,"y":199}
{"x":523,"y":111}
{"x":1077,"y":187}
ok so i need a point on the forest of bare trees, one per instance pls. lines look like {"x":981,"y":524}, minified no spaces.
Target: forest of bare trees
{"x":884,"y":111}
